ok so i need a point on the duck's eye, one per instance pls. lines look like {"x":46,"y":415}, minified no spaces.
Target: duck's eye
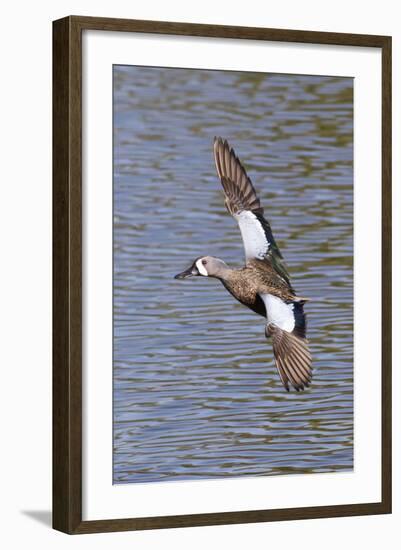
{"x":204,"y":262}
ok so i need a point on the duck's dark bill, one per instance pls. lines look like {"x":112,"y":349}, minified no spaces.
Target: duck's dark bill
{"x":191,"y":272}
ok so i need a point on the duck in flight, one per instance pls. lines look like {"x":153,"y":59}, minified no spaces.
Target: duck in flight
{"x":263,"y":283}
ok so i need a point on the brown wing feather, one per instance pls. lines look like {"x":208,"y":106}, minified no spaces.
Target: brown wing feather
{"x":293,"y":358}
{"x":240,"y":196}
{"x":238,"y":189}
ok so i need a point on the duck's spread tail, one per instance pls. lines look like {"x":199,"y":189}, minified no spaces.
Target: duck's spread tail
{"x":292,"y":356}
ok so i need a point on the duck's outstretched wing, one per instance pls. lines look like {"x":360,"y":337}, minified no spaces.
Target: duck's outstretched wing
{"x":293,"y":358}
{"x":243,"y":204}
{"x":286,"y":325}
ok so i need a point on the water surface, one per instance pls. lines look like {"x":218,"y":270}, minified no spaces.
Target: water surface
{"x":196,"y":392}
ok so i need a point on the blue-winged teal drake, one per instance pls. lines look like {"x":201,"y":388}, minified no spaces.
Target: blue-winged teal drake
{"x":263,"y":284}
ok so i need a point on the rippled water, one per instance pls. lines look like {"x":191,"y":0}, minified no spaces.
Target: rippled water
{"x":196,"y":392}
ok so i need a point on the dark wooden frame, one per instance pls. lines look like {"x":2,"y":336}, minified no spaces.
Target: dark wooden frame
{"x":67,"y":278}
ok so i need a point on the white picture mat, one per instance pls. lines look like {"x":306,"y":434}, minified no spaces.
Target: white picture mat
{"x":102,"y":499}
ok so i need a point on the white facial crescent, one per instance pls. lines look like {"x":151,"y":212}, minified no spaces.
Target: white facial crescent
{"x":201,"y":268}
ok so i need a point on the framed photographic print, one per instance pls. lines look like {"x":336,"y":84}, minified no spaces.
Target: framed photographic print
{"x":222,"y":275}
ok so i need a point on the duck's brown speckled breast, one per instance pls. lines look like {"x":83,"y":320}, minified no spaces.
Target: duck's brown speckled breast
{"x":257,"y":277}
{"x":245,"y":292}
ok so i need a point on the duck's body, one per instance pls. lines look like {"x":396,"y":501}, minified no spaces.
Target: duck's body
{"x":247,"y":284}
{"x":242,"y":285}
{"x":263,"y":284}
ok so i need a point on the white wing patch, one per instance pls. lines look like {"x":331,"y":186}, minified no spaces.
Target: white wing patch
{"x":278,"y":312}
{"x":255,"y":243}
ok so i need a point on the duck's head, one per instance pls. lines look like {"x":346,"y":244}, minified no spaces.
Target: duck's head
{"x":205,"y":266}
